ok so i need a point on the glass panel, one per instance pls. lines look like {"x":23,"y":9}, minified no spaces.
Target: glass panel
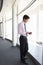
{"x":41,"y":26}
{"x":9,"y":29}
{"x":22,"y":4}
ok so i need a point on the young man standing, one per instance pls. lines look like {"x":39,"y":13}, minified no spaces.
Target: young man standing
{"x":23,"y":38}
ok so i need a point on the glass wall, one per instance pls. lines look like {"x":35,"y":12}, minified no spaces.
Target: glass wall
{"x":33,"y":25}
{"x":22,"y":4}
{"x":41,"y":25}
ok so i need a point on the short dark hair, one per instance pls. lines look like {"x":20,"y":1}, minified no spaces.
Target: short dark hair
{"x":26,"y":17}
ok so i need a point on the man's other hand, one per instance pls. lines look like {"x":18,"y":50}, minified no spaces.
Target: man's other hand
{"x":29,"y":33}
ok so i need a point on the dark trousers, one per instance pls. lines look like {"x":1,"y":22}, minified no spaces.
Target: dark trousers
{"x":23,"y":47}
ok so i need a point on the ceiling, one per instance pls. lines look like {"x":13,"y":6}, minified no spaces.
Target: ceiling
{"x":7,"y":4}
{"x":1,"y":4}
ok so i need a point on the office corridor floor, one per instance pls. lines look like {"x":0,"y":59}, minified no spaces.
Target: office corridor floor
{"x":10,"y":55}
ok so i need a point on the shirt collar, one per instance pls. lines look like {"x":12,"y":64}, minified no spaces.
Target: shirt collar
{"x":23,"y":22}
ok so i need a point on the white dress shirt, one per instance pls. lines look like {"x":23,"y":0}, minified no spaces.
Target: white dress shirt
{"x":21,"y":29}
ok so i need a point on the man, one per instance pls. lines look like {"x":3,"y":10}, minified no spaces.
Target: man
{"x":23,"y":38}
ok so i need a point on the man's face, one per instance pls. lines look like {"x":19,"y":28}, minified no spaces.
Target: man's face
{"x":25,"y":20}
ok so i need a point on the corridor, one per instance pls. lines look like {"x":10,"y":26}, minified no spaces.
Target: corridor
{"x":10,"y":55}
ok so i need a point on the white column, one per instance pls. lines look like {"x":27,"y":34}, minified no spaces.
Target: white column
{"x":14,"y":25}
{"x":3,"y":20}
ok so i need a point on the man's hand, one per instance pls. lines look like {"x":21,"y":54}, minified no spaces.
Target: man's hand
{"x":29,"y":33}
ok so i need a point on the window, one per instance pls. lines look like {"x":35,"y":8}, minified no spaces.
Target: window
{"x":22,"y":4}
{"x":41,"y":25}
{"x":9,"y":29}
